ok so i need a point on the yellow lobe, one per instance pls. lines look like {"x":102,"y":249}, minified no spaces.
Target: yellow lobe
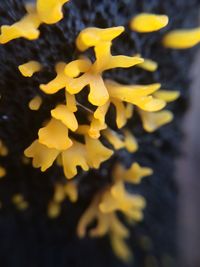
{"x":95,"y":127}
{"x":59,"y":193}
{"x":54,"y":210}
{"x":129,"y":111}
{"x":72,"y":158}
{"x":148,"y":65}
{"x":93,"y":36}
{"x":35,"y":103}
{"x":100,"y":112}
{"x":153,"y":120}
{"x":71,"y":190}
{"x":55,"y":135}
{"x":98,"y":95}
{"x":62,"y":113}
{"x":130,"y":142}
{"x":182,"y":39}
{"x":120,"y":113}
{"x":166,"y":95}
{"x":135,"y":173}
{"x":74,"y":68}
{"x":58,"y":83}
{"x":71,"y":102}
{"x":43,"y":157}
{"x":29,"y":68}
{"x":146,"y":22}
{"x":2,"y":172}
{"x":27,"y":27}
{"x":113,"y":138}
{"x":96,"y":152}
{"x":121,"y":249}
{"x":122,"y":62}
{"x":50,"y":11}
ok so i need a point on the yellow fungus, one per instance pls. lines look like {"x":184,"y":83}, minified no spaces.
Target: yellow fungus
{"x":135,"y":173}
{"x":121,"y":249}
{"x":121,"y":118}
{"x":50,"y":11}
{"x":129,"y":111}
{"x":62,"y":113}
{"x":74,"y":68}
{"x":96,"y":152}
{"x":167,"y":96}
{"x":2,"y":172}
{"x":43,"y":157}
{"x":29,"y":68}
{"x":146,"y":22}
{"x":17,"y":198}
{"x":138,"y":95}
{"x":73,"y":157}
{"x":130,"y":142}
{"x":59,"y":193}
{"x":27,"y":27}
{"x":182,"y":39}
{"x":113,"y":138}
{"x":22,"y":205}
{"x":54,"y":210}
{"x":35,"y":103}
{"x":55,"y":135}
{"x":153,"y":120}
{"x":71,"y":191}
{"x":3,"y":149}
{"x":71,"y":102}
{"x":95,"y":127}
{"x":148,"y":65}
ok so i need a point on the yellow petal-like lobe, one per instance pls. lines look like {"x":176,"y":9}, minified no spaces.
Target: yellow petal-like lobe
{"x":50,"y":11}
{"x":59,"y":193}
{"x":113,"y":138}
{"x":146,"y":22}
{"x":95,"y":127}
{"x":35,"y":103}
{"x":54,"y":210}
{"x":98,"y":95}
{"x":129,"y":111}
{"x":72,"y":158}
{"x":90,"y":37}
{"x":121,"y":249}
{"x":167,"y":96}
{"x":62,"y":113}
{"x":74,"y":68}
{"x":27,"y":27}
{"x":2,"y":172}
{"x":96,"y":152}
{"x":58,"y":83}
{"x":120,"y":113}
{"x":182,"y":39}
{"x":135,"y":173}
{"x":71,"y":191}
{"x":130,"y":142}
{"x":71,"y":102}
{"x":153,"y":120}
{"x":29,"y":68}
{"x":43,"y":157}
{"x":55,"y":135}
{"x":122,"y":62}
{"x":101,"y":111}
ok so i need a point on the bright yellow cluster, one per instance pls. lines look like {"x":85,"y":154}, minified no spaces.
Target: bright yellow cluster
{"x":112,"y":199}
{"x":43,"y":12}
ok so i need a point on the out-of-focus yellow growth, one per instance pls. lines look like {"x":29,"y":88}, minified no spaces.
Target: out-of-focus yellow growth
{"x":148,"y":65}
{"x":182,"y":39}
{"x":113,"y":138}
{"x":35,"y":103}
{"x":167,"y":96}
{"x":130,"y":142}
{"x":29,"y":68}
{"x":3,"y":149}
{"x":19,"y":202}
{"x":54,"y":210}
{"x":153,"y":120}
{"x":50,"y":11}
{"x":2,"y":172}
{"x":55,"y":135}
{"x":146,"y":22}
{"x":71,"y":191}
{"x":27,"y":27}
{"x":117,"y":199}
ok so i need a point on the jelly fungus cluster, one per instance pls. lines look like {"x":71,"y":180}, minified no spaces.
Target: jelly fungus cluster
{"x":71,"y":143}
